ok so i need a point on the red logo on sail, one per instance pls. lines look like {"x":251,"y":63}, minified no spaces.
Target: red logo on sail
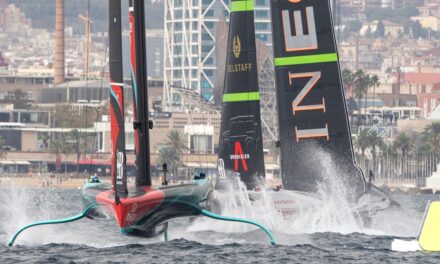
{"x":239,"y":155}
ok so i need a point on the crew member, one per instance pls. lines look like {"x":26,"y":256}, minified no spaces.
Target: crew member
{"x":370,"y":178}
{"x":94,"y":179}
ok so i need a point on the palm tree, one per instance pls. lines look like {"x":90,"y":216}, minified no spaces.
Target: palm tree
{"x":374,"y":81}
{"x":347,"y":79}
{"x":375,"y":141}
{"x":60,"y":146}
{"x":76,"y":142}
{"x":432,"y":137}
{"x":169,"y":156}
{"x":403,"y":144}
{"x":362,"y":142}
{"x":388,"y":154}
{"x":177,"y":142}
{"x":361,"y":82}
{"x":172,"y":151}
{"x":424,"y":150}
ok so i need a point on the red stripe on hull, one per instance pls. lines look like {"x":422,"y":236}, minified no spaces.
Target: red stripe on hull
{"x":130,"y":210}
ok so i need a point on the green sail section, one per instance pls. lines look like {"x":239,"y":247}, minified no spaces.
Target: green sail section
{"x":241,"y":144}
{"x":315,"y":137}
{"x":307,"y":59}
{"x":242,"y":5}
{"x":241,"y":97}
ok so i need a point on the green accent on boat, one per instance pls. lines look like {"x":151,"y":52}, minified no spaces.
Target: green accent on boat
{"x":244,"y":5}
{"x":133,"y":77}
{"x":306,"y":59}
{"x":55,"y":221}
{"x":241,"y":97}
{"x":234,"y":219}
{"x":112,"y":93}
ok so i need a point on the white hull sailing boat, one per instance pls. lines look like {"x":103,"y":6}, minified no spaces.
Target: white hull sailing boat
{"x":313,"y":122}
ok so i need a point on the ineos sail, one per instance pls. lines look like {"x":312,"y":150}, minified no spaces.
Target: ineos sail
{"x":240,"y":145}
{"x":311,"y":106}
{"x":118,"y":162}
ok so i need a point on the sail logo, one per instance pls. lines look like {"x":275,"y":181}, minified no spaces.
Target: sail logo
{"x":296,"y":107}
{"x":240,"y":67}
{"x":239,"y":155}
{"x":236,"y":46}
{"x":130,"y":218}
{"x":236,"y":50}
{"x":120,"y":166}
{"x":299,"y":41}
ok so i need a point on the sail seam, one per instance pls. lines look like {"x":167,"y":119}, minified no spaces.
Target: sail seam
{"x":244,"y":5}
{"x":241,"y":97}
{"x":307,"y":59}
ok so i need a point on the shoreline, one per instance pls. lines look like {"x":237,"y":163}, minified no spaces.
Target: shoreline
{"x":55,"y":182}
{"x":42,"y":182}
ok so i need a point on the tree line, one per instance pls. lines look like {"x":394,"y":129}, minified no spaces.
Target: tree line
{"x":404,"y":146}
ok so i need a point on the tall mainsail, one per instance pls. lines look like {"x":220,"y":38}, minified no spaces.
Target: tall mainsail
{"x":118,"y":162}
{"x":139,"y":76}
{"x":311,"y":105}
{"x":240,"y":145}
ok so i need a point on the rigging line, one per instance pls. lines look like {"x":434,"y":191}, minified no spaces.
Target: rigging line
{"x":87,"y":49}
{"x":190,"y":115}
{"x":99,"y":108}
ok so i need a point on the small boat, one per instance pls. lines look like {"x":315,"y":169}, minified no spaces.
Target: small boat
{"x":428,"y":239}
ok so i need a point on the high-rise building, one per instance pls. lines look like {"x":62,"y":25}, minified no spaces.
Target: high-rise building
{"x":189,"y":43}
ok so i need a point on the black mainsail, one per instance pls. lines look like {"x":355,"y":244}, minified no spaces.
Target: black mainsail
{"x":311,"y":106}
{"x":140,"y":101}
{"x":241,"y":145}
{"x":118,"y":160}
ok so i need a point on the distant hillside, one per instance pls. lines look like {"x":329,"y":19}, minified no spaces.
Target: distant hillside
{"x":42,"y":13}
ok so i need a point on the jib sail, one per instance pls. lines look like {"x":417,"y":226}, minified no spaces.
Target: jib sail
{"x":240,"y":145}
{"x":118,"y":162}
{"x":311,"y":105}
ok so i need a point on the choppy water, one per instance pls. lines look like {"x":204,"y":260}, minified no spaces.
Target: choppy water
{"x":91,"y":241}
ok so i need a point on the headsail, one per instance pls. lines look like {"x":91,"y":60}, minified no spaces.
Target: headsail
{"x":311,"y":105}
{"x":119,"y":176}
{"x":140,"y":101}
{"x":240,"y":145}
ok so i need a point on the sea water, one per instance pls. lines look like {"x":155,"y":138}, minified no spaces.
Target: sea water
{"x":322,"y":234}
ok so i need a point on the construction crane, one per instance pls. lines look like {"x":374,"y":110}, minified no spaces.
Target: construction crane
{"x":87,"y":43}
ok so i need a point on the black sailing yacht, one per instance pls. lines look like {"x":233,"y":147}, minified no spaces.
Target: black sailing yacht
{"x":241,"y":142}
{"x":312,"y":112}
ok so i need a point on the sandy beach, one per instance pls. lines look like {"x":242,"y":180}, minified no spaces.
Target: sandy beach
{"x":43,"y":181}
{"x":57,"y":181}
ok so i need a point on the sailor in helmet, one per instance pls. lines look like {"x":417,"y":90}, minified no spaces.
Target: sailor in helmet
{"x":94,"y":179}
